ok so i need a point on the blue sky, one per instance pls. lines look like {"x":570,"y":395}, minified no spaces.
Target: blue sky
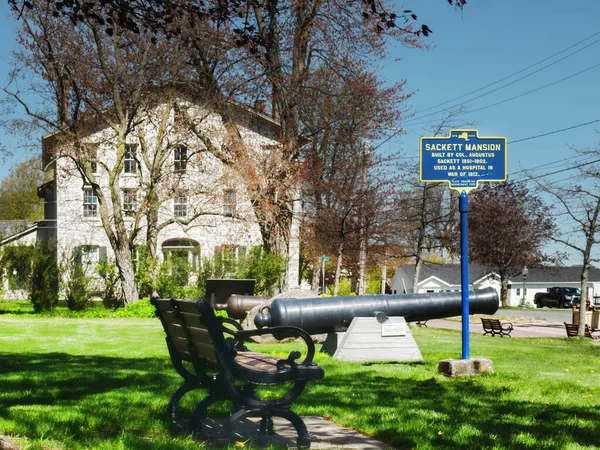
{"x":489,"y":41}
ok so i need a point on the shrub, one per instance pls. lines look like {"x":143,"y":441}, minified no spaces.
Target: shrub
{"x":16,"y":263}
{"x":43,"y":283}
{"x":142,"y":308}
{"x":112,"y":297}
{"x":267,"y":268}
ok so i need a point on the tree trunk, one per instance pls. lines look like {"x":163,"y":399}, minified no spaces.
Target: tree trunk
{"x":584,"y":287}
{"x":316,"y":277}
{"x":293,"y":269}
{"x":362,"y":261}
{"x":504,"y":290}
{"x":418,"y":264}
{"x":127,"y":275}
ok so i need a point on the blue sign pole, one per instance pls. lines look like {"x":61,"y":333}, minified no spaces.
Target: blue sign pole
{"x":463,"y":159}
{"x":463,"y":207}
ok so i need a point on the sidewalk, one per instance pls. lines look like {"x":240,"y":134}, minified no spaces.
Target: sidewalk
{"x":324,"y":434}
{"x":521,"y":330}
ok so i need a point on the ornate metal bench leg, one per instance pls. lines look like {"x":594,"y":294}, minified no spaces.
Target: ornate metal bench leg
{"x":266,"y":426}
{"x":173,"y":407}
{"x":299,"y":425}
{"x":195,"y":419}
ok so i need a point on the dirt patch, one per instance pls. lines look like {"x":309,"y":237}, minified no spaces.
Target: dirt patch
{"x":7,"y":444}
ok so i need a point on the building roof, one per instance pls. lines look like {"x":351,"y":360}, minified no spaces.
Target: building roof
{"x":451,"y":274}
{"x":11,"y":230}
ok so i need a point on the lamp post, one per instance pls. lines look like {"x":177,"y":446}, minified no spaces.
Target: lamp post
{"x":525,"y":272}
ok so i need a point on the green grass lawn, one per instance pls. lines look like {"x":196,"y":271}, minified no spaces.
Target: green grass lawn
{"x":105,"y":383}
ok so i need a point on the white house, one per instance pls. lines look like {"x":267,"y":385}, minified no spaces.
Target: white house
{"x":206,"y":206}
{"x":447,"y":277}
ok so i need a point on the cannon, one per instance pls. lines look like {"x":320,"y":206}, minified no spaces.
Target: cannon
{"x":237,"y":306}
{"x":325,"y":315}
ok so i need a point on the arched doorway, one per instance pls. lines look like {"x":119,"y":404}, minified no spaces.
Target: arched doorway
{"x":183,"y":256}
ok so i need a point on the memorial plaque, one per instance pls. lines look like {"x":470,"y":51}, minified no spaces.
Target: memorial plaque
{"x":393,"y":328}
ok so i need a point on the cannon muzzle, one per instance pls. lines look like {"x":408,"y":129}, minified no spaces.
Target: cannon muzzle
{"x":324,"y":315}
{"x":237,"y":306}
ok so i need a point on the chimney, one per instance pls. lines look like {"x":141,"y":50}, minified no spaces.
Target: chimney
{"x":260,"y":105}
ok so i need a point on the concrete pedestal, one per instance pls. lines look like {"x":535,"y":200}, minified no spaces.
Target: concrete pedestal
{"x":370,"y":340}
{"x":465,"y":367}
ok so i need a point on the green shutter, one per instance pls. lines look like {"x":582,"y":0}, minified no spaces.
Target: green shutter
{"x":77,"y":251}
{"x":102,"y":254}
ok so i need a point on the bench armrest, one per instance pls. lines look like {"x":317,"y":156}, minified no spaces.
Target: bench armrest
{"x":506,"y":325}
{"x":290,"y":331}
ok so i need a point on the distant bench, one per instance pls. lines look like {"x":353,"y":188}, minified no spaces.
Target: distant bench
{"x":573,"y":329}
{"x":495,"y":327}
{"x":209,"y":353}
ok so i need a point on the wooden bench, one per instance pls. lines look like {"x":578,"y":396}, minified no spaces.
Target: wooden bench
{"x":573,"y":329}
{"x":209,"y":353}
{"x":495,"y":327}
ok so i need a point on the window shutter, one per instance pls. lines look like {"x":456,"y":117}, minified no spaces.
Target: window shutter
{"x":77,"y":255}
{"x":102,"y":254}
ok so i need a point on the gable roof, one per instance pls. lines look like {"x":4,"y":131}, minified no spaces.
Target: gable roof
{"x":451,"y":274}
{"x":12,"y":230}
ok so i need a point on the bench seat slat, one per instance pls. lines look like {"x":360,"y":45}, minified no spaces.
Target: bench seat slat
{"x":206,"y":351}
{"x":199,"y":335}
{"x":257,"y":361}
{"x":174,"y":330}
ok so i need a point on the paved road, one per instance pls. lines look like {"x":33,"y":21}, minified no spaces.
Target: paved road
{"x":528,"y":323}
{"x":551,"y":315}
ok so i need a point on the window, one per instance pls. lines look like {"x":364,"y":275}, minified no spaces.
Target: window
{"x":229,"y":203}
{"x":182,"y":256}
{"x":130,"y":204}
{"x":89,"y":256}
{"x":180,"y":159}
{"x":180,"y":208}
{"x":90,"y":203}
{"x":129,"y":161}
{"x":518,"y":291}
{"x":230,"y":256}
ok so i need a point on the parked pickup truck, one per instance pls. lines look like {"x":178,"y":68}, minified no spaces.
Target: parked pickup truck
{"x":558,"y":297}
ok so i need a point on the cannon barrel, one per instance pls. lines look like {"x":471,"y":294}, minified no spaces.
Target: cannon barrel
{"x":323,"y":315}
{"x":237,"y":306}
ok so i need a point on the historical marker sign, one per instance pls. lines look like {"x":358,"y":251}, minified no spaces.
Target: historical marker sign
{"x":463,"y":159}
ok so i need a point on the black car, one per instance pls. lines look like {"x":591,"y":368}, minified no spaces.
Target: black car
{"x":558,"y":297}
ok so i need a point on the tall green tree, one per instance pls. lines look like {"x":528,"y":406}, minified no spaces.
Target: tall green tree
{"x":18,"y":193}
{"x":508,"y":228}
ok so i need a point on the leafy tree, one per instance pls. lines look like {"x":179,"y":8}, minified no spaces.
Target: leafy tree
{"x":508,"y":228}
{"x":18,"y":193}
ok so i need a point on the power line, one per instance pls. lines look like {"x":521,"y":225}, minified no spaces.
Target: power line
{"x":511,"y":75}
{"x":554,"y":132}
{"x":561,"y":170}
{"x":517,"y":96}
{"x":505,"y":85}
{"x":529,"y":92}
